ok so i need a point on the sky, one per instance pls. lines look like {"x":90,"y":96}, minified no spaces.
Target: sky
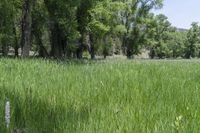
{"x":181,"y":13}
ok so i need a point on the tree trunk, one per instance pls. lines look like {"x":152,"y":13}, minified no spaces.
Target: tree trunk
{"x":4,"y":50}
{"x":58,"y":38}
{"x":92,"y":53}
{"x":124,"y":44}
{"x":83,"y":18}
{"x":129,"y":54}
{"x":26,"y":27}
{"x":129,"y":51}
{"x":79,"y":52}
{"x":152,"y":53}
{"x":92,"y":48}
{"x":16,"y":50}
{"x":38,"y":36}
{"x":16,"y":45}
{"x":57,"y":49}
{"x":104,"y":56}
{"x":42,"y":50}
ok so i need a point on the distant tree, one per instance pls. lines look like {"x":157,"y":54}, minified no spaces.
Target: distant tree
{"x":193,"y":39}
{"x":105,"y":25}
{"x":133,"y":18}
{"x":176,"y":44}
{"x":158,"y":36}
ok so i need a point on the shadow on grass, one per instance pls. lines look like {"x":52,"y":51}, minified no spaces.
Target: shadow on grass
{"x":62,"y":61}
{"x":32,"y":115}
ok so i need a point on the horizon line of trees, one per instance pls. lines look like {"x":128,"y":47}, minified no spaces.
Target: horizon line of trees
{"x":79,"y":28}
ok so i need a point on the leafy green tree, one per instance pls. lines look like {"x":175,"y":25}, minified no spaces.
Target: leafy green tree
{"x":68,"y":28}
{"x":83,"y":19}
{"x":6,"y":25}
{"x":193,"y":40}
{"x":62,"y":24}
{"x":176,"y":44}
{"x":39,"y":28}
{"x":158,"y":32}
{"x":133,"y":18}
{"x":101,"y":27}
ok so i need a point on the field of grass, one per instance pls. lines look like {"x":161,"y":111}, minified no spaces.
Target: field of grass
{"x":100,"y":97}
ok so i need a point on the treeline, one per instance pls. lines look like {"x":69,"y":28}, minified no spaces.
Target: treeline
{"x":79,"y":28}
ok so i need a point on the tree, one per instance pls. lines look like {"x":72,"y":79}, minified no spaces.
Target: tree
{"x":158,"y":35}
{"x":193,"y":39}
{"x":26,"y":26}
{"x":101,"y":27}
{"x":39,"y":26}
{"x":84,"y":19}
{"x":176,"y":44}
{"x":62,"y":25}
{"x":68,"y":28}
{"x":133,"y":18}
{"x":6,"y":25}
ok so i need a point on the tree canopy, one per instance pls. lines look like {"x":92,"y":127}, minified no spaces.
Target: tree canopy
{"x":78,"y":28}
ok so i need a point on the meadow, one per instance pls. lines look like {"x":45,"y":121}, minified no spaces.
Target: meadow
{"x":118,"y":96}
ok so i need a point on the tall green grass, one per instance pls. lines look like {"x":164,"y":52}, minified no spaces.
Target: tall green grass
{"x":103,"y":97}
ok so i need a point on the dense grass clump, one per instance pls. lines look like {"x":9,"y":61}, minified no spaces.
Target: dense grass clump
{"x":103,"y":97}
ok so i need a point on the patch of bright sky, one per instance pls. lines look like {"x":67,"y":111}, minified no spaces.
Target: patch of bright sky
{"x":181,"y":13}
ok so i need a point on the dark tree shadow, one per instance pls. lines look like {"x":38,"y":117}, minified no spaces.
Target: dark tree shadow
{"x":32,"y":115}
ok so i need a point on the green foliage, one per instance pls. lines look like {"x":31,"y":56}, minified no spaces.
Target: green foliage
{"x":98,"y":29}
{"x":133,"y":16}
{"x":162,"y":38}
{"x":63,"y":12}
{"x":176,"y":44}
{"x":193,"y":41}
{"x":76,"y":26}
{"x":120,"y":30}
{"x":6,"y":22}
